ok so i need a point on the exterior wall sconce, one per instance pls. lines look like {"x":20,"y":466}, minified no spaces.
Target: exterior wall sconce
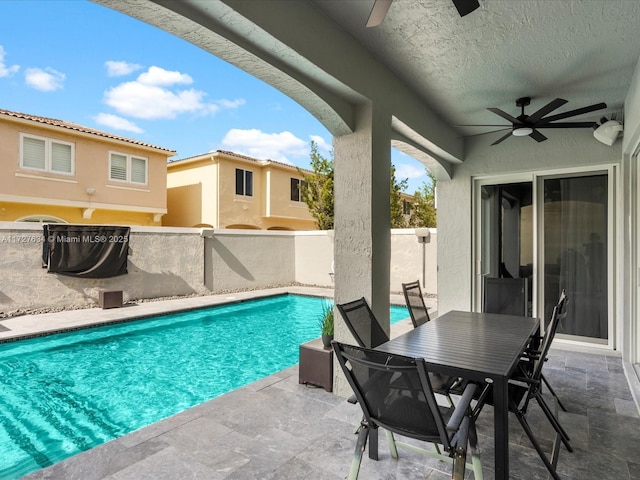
{"x":91,"y":191}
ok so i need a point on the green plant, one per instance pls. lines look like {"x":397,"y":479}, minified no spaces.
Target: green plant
{"x":326,"y":320}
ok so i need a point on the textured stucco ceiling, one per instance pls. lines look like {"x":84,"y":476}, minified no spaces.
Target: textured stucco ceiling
{"x":434,"y":70}
{"x":582,"y":50}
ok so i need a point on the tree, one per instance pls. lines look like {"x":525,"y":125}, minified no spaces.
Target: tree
{"x":397,"y":212}
{"x":317,"y":192}
{"x":423,"y":213}
{"x":317,"y":189}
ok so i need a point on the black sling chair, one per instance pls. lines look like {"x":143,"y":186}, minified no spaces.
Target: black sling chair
{"x":395,"y":393}
{"x":525,"y":385}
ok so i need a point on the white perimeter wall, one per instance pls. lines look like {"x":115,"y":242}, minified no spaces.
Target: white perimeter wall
{"x":167,"y":261}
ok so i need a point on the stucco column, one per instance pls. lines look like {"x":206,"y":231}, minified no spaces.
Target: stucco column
{"x":362,"y":246}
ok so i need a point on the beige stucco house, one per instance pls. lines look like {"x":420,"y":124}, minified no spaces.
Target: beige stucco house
{"x":226,"y":190}
{"x":57,"y":171}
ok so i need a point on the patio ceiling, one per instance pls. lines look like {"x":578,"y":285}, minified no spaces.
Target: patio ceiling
{"x":433,"y":69}
{"x":584,"y":51}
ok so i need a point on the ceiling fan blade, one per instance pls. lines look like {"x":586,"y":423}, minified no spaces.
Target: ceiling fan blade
{"x":548,"y":108}
{"x":537,"y":136}
{"x":502,"y":139}
{"x":573,"y":113}
{"x":568,"y":125}
{"x":378,"y":12}
{"x":505,"y":115}
{"x":465,"y":7}
{"x":487,"y":133}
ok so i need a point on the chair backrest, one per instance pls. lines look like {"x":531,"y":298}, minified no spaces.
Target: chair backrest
{"x":505,"y":295}
{"x":362,"y":323}
{"x":415,"y":303}
{"x":406,"y":406}
{"x":559,"y":312}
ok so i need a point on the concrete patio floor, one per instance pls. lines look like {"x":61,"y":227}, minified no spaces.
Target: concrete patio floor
{"x":278,"y":429}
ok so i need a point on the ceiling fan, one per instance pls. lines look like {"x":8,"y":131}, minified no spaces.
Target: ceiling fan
{"x":381,"y":7}
{"x":528,"y":125}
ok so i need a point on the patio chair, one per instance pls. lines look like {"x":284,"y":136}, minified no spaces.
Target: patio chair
{"x":524,"y":386}
{"x":419,"y":315}
{"x":534,"y":353}
{"x":368,"y":333}
{"x":415,"y":303}
{"x":395,"y":393}
{"x":508,"y":296}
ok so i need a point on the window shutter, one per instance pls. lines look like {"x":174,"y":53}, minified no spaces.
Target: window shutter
{"x":61,"y":160}
{"x":33,"y":153}
{"x":118,"y":167}
{"x":139,"y":170}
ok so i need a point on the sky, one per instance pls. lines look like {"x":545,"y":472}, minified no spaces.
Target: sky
{"x":102,"y":69}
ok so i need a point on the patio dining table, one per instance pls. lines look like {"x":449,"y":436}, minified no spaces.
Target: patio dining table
{"x":484,"y":347}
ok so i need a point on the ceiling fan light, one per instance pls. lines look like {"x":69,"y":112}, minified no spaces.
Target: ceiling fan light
{"x":522,"y":131}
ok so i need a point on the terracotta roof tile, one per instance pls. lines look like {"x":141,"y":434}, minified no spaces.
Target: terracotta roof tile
{"x":239,"y":155}
{"x":79,"y":128}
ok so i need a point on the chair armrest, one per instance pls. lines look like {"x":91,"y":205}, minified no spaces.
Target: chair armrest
{"x":462,"y":408}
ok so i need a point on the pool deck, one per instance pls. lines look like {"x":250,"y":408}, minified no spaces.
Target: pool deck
{"x":277,"y":429}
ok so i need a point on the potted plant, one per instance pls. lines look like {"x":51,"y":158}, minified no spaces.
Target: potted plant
{"x":326,"y":324}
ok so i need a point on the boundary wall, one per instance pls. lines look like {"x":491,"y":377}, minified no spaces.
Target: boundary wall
{"x":172,"y":261}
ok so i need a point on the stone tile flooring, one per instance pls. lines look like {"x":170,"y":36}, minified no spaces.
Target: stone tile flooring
{"x":278,"y":429}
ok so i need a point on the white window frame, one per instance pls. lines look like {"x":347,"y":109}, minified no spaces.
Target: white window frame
{"x":48,"y":145}
{"x":128,"y":168}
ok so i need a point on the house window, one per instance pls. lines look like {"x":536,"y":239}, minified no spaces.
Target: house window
{"x":244,"y":182}
{"x":47,"y":155}
{"x":406,"y":207}
{"x":127,"y":168}
{"x":296,"y":189}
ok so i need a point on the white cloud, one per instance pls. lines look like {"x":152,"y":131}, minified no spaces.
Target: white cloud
{"x":405,"y":170}
{"x":119,"y":69}
{"x":150,"y":96}
{"x":117,"y":123}
{"x":46,"y":80}
{"x":231,"y":103}
{"x":258,"y":144}
{"x":6,"y":70}
{"x":137,"y":100}
{"x":321,"y":142}
{"x":160,"y":76}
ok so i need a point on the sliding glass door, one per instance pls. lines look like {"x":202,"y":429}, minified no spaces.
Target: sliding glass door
{"x":575,"y":216}
{"x":554,"y":231}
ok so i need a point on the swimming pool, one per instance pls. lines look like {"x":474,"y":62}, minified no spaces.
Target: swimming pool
{"x":67,"y":393}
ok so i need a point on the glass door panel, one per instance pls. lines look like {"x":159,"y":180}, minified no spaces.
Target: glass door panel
{"x":506,"y":235}
{"x":575,"y":233}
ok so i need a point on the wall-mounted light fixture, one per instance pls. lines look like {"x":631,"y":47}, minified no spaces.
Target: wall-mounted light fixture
{"x":91,"y":191}
{"x":608,"y":131}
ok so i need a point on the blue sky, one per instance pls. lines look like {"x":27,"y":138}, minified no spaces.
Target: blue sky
{"x":102,"y":69}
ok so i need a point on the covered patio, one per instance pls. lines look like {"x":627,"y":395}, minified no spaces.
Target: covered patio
{"x":423,"y":81}
{"x":278,"y":429}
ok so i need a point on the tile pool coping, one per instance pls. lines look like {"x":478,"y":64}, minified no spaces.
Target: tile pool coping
{"x":29,"y":326}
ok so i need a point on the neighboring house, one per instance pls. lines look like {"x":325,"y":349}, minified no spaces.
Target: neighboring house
{"x":226,"y":190}
{"x":57,"y":171}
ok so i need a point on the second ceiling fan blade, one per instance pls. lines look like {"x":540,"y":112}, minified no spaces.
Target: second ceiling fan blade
{"x":502,"y":139}
{"x":548,"y":108}
{"x":537,"y":136}
{"x":573,"y":113}
{"x":505,"y":115}
{"x":378,"y":12}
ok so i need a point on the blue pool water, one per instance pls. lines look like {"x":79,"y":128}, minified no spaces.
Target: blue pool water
{"x":66,"y":393}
